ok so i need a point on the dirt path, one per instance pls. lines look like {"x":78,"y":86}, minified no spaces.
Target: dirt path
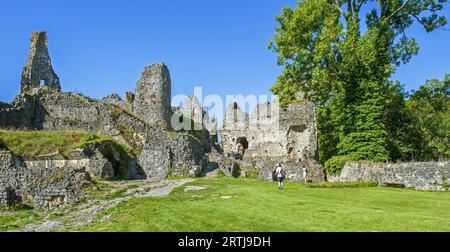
{"x":113,"y":193}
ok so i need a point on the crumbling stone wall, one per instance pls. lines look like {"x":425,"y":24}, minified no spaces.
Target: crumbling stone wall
{"x":137,"y":121}
{"x":421,"y":176}
{"x":117,"y":101}
{"x":67,"y":111}
{"x":46,"y":188}
{"x":288,"y":134}
{"x":172,"y":154}
{"x":193,"y":111}
{"x":152,"y":102}
{"x":195,"y":120}
{"x":38,"y":68}
{"x":19,"y":113}
{"x":263,"y":168}
{"x":272,"y":135}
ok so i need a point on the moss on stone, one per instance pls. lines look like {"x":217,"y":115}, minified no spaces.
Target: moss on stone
{"x":32,"y":144}
{"x":71,"y":121}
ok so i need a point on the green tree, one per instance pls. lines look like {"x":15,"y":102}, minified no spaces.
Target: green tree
{"x":346,"y":71}
{"x":405,"y":136}
{"x":431,"y":106}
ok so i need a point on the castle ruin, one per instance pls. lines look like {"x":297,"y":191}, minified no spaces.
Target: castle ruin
{"x":38,"y":70}
{"x":152,"y":101}
{"x":143,"y":121}
{"x":288,"y":134}
{"x":272,"y":135}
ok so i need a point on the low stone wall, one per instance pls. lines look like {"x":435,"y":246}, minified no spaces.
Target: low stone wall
{"x":294,"y":170}
{"x":45,"y":187}
{"x":100,"y":168}
{"x":421,"y":176}
{"x":264,"y":168}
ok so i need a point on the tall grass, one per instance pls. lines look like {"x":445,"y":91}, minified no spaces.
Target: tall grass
{"x":29,"y":144}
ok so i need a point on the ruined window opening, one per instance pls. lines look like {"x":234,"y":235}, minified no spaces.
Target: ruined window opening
{"x":243,"y":141}
{"x":154,"y":88}
{"x":219,"y":138}
{"x":42,"y":83}
{"x":298,"y":128}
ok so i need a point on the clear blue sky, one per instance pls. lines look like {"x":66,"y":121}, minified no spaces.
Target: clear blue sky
{"x":100,"y":47}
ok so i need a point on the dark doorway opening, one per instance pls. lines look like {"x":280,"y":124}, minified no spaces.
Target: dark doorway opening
{"x":243,"y":141}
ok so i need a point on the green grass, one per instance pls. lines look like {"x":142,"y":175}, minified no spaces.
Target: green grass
{"x":30,"y":144}
{"x":14,"y":220}
{"x":259,"y":206}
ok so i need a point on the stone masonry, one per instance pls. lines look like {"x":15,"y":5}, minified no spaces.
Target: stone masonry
{"x":38,"y":69}
{"x":143,"y":121}
{"x":274,"y":135}
{"x":286,"y":134}
{"x":152,"y":101}
{"x":45,"y":188}
{"x":134,"y":121}
{"x":420,"y":176}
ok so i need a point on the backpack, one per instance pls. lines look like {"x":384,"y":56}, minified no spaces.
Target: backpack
{"x":283,"y":172}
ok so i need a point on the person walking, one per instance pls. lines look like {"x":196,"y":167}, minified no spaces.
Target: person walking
{"x":280,"y":173}
{"x":305,"y":174}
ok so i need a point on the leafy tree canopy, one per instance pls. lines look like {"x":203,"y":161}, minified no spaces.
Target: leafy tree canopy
{"x":344,"y":67}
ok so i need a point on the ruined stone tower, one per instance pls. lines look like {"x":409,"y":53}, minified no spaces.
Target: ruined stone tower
{"x":38,"y":70}
{"x":152,"y":102}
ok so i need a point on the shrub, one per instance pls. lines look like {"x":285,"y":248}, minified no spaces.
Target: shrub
{"x":335,"y":164}
{"x":236,"y":171}
{"x":342,"y":185}
{"x":252,"y":174}
{"x":221,"y":174}
{"x":2,"y":145}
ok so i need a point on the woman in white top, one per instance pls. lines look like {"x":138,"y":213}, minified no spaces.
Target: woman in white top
{"x":280,"y":173}
{"x":305,"y":174}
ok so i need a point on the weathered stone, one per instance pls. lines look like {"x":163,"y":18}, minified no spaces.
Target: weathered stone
{"x":271,"y":135}
{"x":172,"y":154}
{"x":193,"y":112}
{"x":269,"y":132}
{"x":156,"y":163}
{"x":129,"y":98}
{"x":38,"y":69}
{"x":152,"y":102}
{"x":421,"y":176}
{"x":45,"y":187}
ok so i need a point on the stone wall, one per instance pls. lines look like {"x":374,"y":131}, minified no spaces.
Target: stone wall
{"x":263,"y":168}
{"x":271,"y":135}
{"x":38,"y":70}
{"x":421,"y":176}
{"x":19,"y":113}
{"x":152,"y":102}
{"x":101,"y":168}
{"x":117,"y":101}
{"x":172,"y":154}
{"x":44,"y":187}
{"x":141,"y":121}
{"x":286,"y":134}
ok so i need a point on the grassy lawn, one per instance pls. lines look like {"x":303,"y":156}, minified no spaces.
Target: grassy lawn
{"x":14,"y":220}
{"x":29,"y":144}
{"x":259,"y":206}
